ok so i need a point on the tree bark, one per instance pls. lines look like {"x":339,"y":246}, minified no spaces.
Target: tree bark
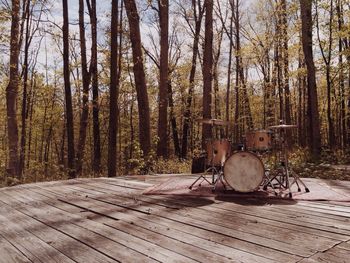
{"x":341,"y":75}
{"x":314,"y":120}
{"x":96,"y":166}
{"x":113,"y":94}
{"x":12,"y":92}
{"x":287,"y":108}
{"x":68,"y":93}
{"x":24,"y":95}
{"x":327,"y":58}
{"x":86,"y":83}
{"x":139,"y":75}
{"x":187,"y":114}
{"x":162,"y":149}
{"x":173,"y":120}
{"x":207,"y":69}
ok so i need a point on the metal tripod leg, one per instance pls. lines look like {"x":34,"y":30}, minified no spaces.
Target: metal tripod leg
{"x":200,"y":177}
{"x":213,"y":170}
{"x":297,"y":180}
{"x":219,"y":179}
{"x":268,"y":181}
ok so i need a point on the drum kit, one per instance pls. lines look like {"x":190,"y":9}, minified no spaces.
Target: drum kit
{"x":243,"y":170}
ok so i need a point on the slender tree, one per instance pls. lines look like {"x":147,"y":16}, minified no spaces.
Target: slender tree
{"x":86,"y":83}
{"x":341,"y":74}
{"x":327,"y":58}
{"x":207,"y":68}
{"x":113,"y":93}
{"x":24,"y":93}
{"x":94,"y":84}
{"x":313,"y":114}
{"x":162,"y":147}
{"x":139,"y":75}
{"x":68,"y":93}
{"x":198,"y":16}
{"x":287,"y":97}
{"x":12,"y":92}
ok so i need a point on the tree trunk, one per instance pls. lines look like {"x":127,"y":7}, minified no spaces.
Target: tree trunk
{"x":139,"y":75}
{"x":68,"y":93}
{"x":12,"y":92}
{"x":113,"y":94}
{"x":245,"y":99}
{"x":86,"y":83}
{"x":173,"y":120}
{"x":314,"y":120}
{"x":229,"y":70}
{"x":287,"y":109}
{"x":341,"y":76}
{"x":24,"y":95}
{"x":239,"y":81}
{"x":327,"y":58}
{"x":162,"y":149}
{"x":187,"y":114}
{"x":96,"y":166}
{"x":207,"y":69}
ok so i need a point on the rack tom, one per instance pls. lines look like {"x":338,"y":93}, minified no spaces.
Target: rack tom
{"x":218,"y":151}
{"x":260,"y":140}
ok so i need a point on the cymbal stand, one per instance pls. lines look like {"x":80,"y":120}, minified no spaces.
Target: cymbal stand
{"x":284,"y":172}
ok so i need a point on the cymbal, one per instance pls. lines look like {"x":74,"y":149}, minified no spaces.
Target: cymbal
{"x":283,"y":126}
{"x":213,"y":122}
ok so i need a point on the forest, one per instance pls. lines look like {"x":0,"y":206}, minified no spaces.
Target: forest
{"x":105,"y":88}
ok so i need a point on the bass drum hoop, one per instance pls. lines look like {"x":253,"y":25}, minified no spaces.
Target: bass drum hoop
{"x":228,"y":172}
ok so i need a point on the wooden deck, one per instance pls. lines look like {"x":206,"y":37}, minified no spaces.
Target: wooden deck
{"x":108,"y":220}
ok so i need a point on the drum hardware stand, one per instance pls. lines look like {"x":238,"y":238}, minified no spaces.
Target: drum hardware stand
{"x":220,"y":178}
{"x":215,"y":172}
{"x":284,"y":171}
{"x":268,"y":182}
{"x":212,"y":168}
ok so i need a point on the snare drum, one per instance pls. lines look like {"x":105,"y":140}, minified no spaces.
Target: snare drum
{"x":218,"y":151}
{"x":244,"y":171}
{"x":260,"y":140}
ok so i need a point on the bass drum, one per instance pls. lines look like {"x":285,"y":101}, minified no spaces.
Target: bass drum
{"x":244,"y":171}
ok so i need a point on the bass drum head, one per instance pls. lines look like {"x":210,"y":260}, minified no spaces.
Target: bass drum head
{"x":244,"y":171}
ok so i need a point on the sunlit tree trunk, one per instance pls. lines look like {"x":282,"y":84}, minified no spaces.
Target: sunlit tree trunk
{"x":139,"y":74}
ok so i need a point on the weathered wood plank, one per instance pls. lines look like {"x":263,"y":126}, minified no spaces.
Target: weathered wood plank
{"x":30,"y":245}
{"x":334,"y":255}
{"x":64,"y":222}
{"x":204,"y":249}
{"x":256,"y":215}
{"x":282,"y":246}
{"x":67,"y":245}
{"x":99,"y":215}
{"x":119,"y":236}
{"x":10,"y":254}
{"x":344,"y":245}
